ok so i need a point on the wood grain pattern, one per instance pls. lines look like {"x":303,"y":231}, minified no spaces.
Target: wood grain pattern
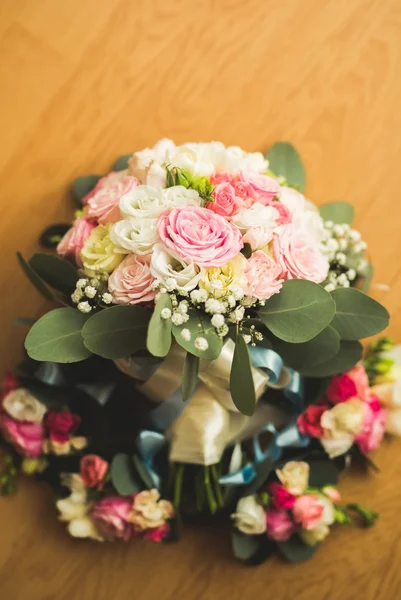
{"x":85,"y":80}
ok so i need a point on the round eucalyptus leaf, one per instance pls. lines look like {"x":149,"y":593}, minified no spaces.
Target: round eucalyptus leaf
{"x":357,"y":315}
{"x":284,"y":160}
{"x":339,"y":212}
{"x":199,"y":326}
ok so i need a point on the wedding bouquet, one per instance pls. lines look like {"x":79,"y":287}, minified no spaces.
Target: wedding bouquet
{"x":206,"y":350}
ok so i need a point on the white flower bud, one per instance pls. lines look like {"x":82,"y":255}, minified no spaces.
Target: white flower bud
{"x":247,"y":338}
{"x":107,"y":298}
{"x":201,"y":344}
{"x":82,"y":283}
{"x":217,"y":321}
{"x":351,"y":274}
{"x":171,"y":284}
{"x":183,"y":307}
{"x":84,"y":307}
{"x":165,"y":313}
{"x":329,"y":287}
{"x":90,"y":291}
{"x":177,"y":319}
{"x":338,"y":230}
{"x":186,"y":335}
{"x":341,"y":258}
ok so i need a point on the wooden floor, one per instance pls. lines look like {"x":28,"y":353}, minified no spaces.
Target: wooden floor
{"x":85,"y":80}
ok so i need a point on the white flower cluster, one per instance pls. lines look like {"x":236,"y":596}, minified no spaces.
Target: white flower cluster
{"x":89,"y":293}
{"x":344,"y":249}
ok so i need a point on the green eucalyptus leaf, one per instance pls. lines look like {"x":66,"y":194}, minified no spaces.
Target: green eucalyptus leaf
{"x":245,"y":546}
{"x":199,"y":326}
{"x":55,"y":271}
{"x":295,"y":550}
{"x":357,"y":315}
{"x":34,"y":278}
{"x":347,"y":357}
{"x":158,"y":340}
{"x":189,"y":375}
{"x":318,"y":350}
{"x":284,"y":160}
{"x":123,"y":475}
{"x":367,"y":277}
{"x":242,"y":387}
{"x":299,"y":312}
{"x":117,"y":332}
{"x":338,"y":212}
{"x":83,"y":185}
{"x":121,"y":162}
{"x":57,"y":337}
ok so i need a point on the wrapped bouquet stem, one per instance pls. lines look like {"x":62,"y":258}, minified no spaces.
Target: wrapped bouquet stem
{"x":233,"y":310}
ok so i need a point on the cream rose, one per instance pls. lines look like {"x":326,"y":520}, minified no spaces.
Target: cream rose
{"x":99,"y":252}
{"x":229,"y":276}
{"x":164,"y":266}
{"x":294,"y":476}
{"x":131,"y":282}
{"x":148,"y":511}
{"x":250,"y":517}
{"x":338,"y":446}
{"x":345,"y":417}
{"x":22,"y":406}
{"x":135,"y":235}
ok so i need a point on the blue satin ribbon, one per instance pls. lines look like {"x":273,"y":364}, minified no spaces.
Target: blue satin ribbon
{"x":149,"y":443}
{"x":269,"y":361}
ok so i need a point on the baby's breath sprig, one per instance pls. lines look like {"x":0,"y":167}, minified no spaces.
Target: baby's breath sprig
{"x":90,"y":293}
{"x":345,"y":250}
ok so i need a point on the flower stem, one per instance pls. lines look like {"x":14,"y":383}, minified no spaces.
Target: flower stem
{"x":215,"y":477}
{"x":178,"y":480}
{"x":209,"y":491}
{"x":368,"y":516}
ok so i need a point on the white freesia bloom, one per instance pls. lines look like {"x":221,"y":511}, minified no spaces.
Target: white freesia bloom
{"x":164,"y":266}
{"x":135,"y":235}
{"x":143,"y":201}
{"x":177,"y":196}
{"x":22,"y":406}
{"x":256,"y":216}
{"x":250,"y":516}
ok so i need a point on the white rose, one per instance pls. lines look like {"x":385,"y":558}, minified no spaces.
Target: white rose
{"x":311,"y":537}
{"x":250,"y":516}
{"x":178,"y":195}
{"x":254,"y":161}
{"x":22,"y":406}
{"x":345,"y":417}
{"x":294,"y":476}
{"x":164,"y":266}
{"x":144,"y":166}
{"x":293,"y":200}
{"x":162,"y":148}
{"x":256,"y":216}
{"x":143,"y":201}
{"x":338,"y":446}
{"x":135,"y":235}
{"x":258,"y":237}
{"x":189,"y":159}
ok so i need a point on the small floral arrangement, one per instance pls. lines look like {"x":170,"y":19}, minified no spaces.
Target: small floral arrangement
{"x":204,"y":357}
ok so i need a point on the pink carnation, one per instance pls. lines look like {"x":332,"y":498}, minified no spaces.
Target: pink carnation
{"x":157,"y":534}
{"x":374,"y":426}
{"x":263,"y":276}
{"x":131,"y":282}
{"x":309,"y":421}
{"x":280,"y":497}
{"x":225,"y":202}
{"x":73,"y":241}
{"x":200,"y":236}
{"x":27,"y":437}
{"x":104,"y":182}
{"x":279,"y":525}
{"x":299,"y":254}
{"x":104,"y":205}
{"x":308,"y":511}
{"x":264,"y":188}
{"x":110,"y":516}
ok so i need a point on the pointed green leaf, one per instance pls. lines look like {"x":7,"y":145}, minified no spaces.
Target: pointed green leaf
{"x":117,"y":332}
{"x":56,"y":337}
{"x":285,"y":161}
{"x":122,"y":162}
{"x":158,"y":340}
{"x":299,"y":312}
{"x":357,"y":315}
{"x":83,"y":185}
{"x":55,"y":271}
{"x":338,"y":212}
{"x":241,"y":382}
{"x":123,"y":475}
{"x":189,"y":375}
{"x":318,"y":350}
{"x":348,"y":355}
{"x":34,"y":278}
{"x":199,"y":326}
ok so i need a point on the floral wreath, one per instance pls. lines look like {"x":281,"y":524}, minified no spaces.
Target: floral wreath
{"x":206,"y":357}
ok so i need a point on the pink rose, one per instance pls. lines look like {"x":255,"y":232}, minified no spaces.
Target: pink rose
{"x":62,"y":424}
{"x":157,"y":535}
{"x":263,"y":276}
{"x":361,"y":381}
{"x":225,"y":202}
{"x":244,"y":191}
{"x":73,"y":241}
{"x":373,"y":428}
{"x":341,"y":388}
{"x":104,"y":205}
{"x":104,"y":182}
{"x":279,"y":525}
{"x":280,"y":497}
{"x":264,"y":188}
{"x":299,"y":254}
{"x":131,"y":282}
{"x":110,"y":517}
{"x":308,"y":511}
{"x":309,"y":421}
{"x":222,"y":177}
{"x":200,"y":236}
{"x":93,"y":470}
{"x":27,"y":437}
